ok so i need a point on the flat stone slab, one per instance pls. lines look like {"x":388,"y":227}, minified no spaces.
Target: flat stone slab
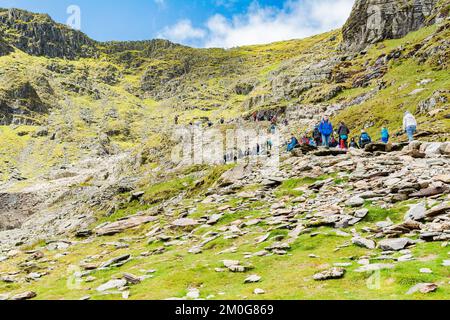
{"x":120,"y":226}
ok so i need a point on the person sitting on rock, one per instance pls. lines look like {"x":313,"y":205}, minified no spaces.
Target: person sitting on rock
{"x":293,"y":144}
{"x":409,"y":125}
{"x":305,"y":140}
{"x":333,"y":142}
{"x":326,"y":129}
{"x":343,"y":133}
{"x":385,"y":135}
{"x":353,"y":144}
{"x":317,"y":136}
{"x":364,"y":139}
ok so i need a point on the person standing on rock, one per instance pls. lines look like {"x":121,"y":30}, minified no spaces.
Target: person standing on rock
{"x":343,"y":133}
{"x":409,"y":125}
{"x":385,"y":135}
{"x":326,"y":129}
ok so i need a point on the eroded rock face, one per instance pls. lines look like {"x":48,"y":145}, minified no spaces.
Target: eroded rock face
{"x":39,"y":35}
{"x":372,"y":21}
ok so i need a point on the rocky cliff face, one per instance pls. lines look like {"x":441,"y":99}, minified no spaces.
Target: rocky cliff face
{"x":374,"y":20}
{"x":39,"y":35}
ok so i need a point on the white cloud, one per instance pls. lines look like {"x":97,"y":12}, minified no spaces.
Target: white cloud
{"x":264,"y":24}
{"x":182,"y":31}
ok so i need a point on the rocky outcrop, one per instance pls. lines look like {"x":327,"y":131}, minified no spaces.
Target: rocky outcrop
{"x":4,"y":48}
{"x":39,"y":35}
{"x":20,"y":103}
{"x":372,"y":21}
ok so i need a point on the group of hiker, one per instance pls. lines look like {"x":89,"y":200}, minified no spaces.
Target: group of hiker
{"x":325,"y":135}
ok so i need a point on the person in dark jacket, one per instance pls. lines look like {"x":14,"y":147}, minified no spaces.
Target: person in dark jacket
{"x":353,"y":144}
{"x":326,"y":129}
{"x":317,"y":136}
{"x":293,"y":144}
{"x":333,"y":142}
{"x":364,"y":139}
{"x":343,"y":133}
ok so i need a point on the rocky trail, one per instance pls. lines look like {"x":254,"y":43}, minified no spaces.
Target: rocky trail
{"x":271,"y":211}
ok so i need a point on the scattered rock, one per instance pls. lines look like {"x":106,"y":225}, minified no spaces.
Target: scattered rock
{"x":258,"y":291}
{"x":185,"y":222}
{"x":112,"y":284}
{"x":355,"y":202}
{"x":252,"y":279}
{"x":416,"y":212}
{"x":365,"y":243}
{"x":24,"y":296}
{"x":423,"y":288}
{"x":122,"y":225}
{"x":115,"y":261}
{"x":334,"y":273}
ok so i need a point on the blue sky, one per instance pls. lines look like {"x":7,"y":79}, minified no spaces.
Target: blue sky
{"x":199,"y":23}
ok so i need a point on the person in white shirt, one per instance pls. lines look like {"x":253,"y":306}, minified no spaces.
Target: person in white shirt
{"x":409,"y":125}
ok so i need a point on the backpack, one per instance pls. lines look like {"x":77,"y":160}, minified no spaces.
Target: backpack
{"x":365,"y":137}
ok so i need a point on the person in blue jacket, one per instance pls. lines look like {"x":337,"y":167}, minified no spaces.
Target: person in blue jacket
{"x":292,"y":144}
{"x":326,"y":129}
{"x":385,"y":135}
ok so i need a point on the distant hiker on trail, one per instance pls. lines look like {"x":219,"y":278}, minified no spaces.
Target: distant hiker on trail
{"x":343,"y":133}
{"x":353,"y":144}
{"x":269,"y":144}
{"x":326,"y":129}
{"x":409,"y":125}
{"x":294,"y":143}
{"x":317,"y":136}
{"x":177,"y":117}
{"x":364,"y":139}
{"x":255,"y":116}
{"x":273,"y":128}
{"x":385,"y":135}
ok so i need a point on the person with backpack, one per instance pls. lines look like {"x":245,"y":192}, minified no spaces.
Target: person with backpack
{"x":305,"y":140}
{"x":385,"y":135}
{"x":353,"y":144}
{"x":317,"y":136}
{"x":364,"y":139}
{"x":409,"y":125}
{"x":293,"y":144}
{"x":326,"y":129}
{"x":343,"y":133}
